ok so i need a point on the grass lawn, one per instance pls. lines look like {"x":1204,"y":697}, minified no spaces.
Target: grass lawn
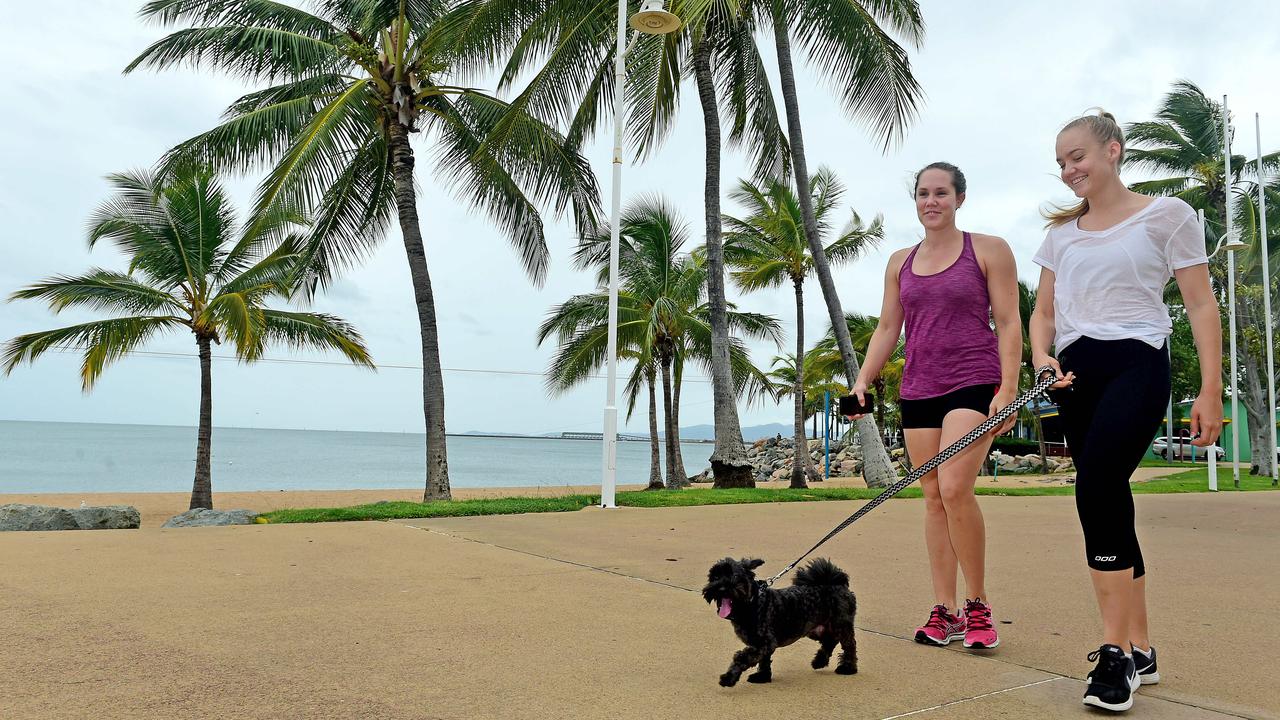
{"x":1183,"y":482}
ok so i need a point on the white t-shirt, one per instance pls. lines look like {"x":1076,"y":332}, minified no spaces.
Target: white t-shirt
{"x":1109,"y":284}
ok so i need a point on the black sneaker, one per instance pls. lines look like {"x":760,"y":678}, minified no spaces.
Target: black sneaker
{"x":1145,"y":663}
{"x":1113,"y":680}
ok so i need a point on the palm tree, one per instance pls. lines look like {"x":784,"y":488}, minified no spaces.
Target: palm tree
{"x":887,"y":383}
{"x":353,"y":81}
{"x":191,"y":267}
{"x":781,"y":384}
{"x":769,"y":248}
{"x":1026,"y":374}
{"x":873,"y":75}
{"x":663,"y":317}
{"x":1184,"y":145}
{"x":568,"y":46}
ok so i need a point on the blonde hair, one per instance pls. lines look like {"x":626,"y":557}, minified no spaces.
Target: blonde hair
{"x":1104,"y":128}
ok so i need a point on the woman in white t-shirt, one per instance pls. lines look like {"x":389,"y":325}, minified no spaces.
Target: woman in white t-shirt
{"x":1105,"y":263}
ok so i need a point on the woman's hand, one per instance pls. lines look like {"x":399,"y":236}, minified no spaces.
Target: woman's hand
{"x":1206,"y":418}
{"x":1002,"y":400}
{"x":859,"y":390}
{"x":1039,"y":360}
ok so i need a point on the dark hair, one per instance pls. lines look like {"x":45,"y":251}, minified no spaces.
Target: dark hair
{"x":957,"y":177}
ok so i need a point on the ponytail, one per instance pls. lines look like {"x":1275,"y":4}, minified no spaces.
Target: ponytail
{"x":1061,"y":215}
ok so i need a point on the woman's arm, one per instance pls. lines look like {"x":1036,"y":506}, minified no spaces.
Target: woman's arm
{"x":1206,"y":328}
{"x":1002,"y":289}
{"x":887,"y":332}
{"x":1042,"y":329}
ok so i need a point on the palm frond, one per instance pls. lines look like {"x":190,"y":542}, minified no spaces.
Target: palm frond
{"x":750,"y":105}
{"x":1166,"y":186}
{"x":866,"y":66}
{"x":100,"y":290}
{"x":259,"y":127}
{"x":103,"y":342}
{"x":261,"y":13}
{"x":247,"y":52}
{"x":239,"y":317}
{"x":368,"y":17}
{"x":652,"y":89}
{"x":318,"y":162}
{"x":493,"y":157}
{"x":316,"y":331}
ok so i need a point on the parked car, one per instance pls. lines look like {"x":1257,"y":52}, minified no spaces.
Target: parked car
{"x":1182,"y":449}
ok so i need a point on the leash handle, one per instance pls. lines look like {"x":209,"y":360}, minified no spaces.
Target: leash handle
{"x":1045,"y":376}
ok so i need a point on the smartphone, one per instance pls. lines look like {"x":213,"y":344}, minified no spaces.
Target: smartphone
{"x":849,"y":405}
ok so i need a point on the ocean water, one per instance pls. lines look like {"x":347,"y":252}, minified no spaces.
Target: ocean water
{"x":38,"y":457}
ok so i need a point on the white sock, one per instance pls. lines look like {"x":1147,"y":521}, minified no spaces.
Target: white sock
{"x":1145,"y":653}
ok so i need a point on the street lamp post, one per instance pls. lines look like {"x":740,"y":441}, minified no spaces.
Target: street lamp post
{"x":1231,"y":244}
{"x":1231,"y":292}
{"x":654,"y":20}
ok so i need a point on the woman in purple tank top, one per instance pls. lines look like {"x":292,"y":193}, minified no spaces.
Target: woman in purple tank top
{"x":958,"y":372}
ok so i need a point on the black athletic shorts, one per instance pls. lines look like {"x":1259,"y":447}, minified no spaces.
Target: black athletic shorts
{"x":928,"y":412}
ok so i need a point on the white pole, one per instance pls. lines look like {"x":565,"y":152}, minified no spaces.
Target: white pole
{"x":1231,"y":296}
{"x":1266,"y":296}
{"x":1213,"y":470}
{"x":608,"y":482}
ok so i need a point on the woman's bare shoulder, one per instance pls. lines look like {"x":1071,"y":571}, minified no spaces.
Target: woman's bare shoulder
{"x":988,"y":242}
{"x":897,"y":259}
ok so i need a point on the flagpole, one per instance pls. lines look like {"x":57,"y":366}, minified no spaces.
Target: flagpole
{"x":1266,"y":297}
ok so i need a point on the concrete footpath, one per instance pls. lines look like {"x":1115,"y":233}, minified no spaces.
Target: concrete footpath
{"x":596,"y":614}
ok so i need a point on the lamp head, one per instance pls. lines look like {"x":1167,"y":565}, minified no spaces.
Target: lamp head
{"x":1233,"y":242}
{"x":653,"y":19}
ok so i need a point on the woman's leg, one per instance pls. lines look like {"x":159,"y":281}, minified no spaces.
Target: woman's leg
{"x":922,"y":444}
{"x":1138,"y":635}
{"x":1126,"y":416}
{"x":956,"y":478}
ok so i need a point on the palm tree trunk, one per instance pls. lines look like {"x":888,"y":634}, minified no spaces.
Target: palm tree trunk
{"x":655,"y":457}
{"x":677,"y":381}
{"x":1254,"y":398}
{"x":1254,"y":393}
{"x":402,"y":161}
{"x":876,"y":467}
{"x":877,"y":386}
{"x":729,"y":462}
{"x":675,"y":479}
{"x":202,"y":488}
{"x":799,"y":458}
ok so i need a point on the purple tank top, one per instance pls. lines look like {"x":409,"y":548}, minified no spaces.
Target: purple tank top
{"x":950,"y":343}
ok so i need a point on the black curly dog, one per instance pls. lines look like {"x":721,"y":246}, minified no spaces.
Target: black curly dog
{"x":818,"y":605}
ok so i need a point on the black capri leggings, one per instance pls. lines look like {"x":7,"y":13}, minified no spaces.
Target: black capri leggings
{"x":1109,"y":416}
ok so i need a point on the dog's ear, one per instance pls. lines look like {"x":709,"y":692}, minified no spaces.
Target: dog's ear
{"x":752,"y":563}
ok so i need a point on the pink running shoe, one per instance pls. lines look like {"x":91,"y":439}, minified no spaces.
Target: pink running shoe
{"x":980,"y":631}
{"x":942,"y":628}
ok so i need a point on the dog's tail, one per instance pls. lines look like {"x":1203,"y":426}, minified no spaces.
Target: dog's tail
{"x":821,"y":572}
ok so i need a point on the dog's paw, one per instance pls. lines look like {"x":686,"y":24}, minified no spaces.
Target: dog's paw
{"x":843,"y":669}
{"x":820,"y":661}
{"x":728,"y":680}
{"x":760,"y":677}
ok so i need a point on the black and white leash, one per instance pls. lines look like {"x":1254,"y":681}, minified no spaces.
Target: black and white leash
{"x":1045,"y":377}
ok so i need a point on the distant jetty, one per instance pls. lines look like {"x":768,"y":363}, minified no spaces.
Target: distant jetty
{"x":571,"y":436}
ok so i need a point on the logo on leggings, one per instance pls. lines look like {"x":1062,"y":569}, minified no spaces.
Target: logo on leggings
{"x":1105,"y":558}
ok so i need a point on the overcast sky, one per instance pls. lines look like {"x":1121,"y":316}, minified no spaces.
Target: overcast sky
{"x":1000,"y":78}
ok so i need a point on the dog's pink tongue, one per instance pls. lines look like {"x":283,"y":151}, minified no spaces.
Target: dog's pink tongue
{"x":726,"y":607}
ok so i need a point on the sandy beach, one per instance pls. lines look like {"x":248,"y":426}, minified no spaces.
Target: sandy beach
{"x":155,"y":508}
